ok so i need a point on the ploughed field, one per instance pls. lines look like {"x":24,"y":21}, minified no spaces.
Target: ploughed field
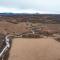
{"x":35,"y":49}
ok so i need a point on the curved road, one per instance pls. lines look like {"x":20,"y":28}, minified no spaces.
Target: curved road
{"x":6,"y":48}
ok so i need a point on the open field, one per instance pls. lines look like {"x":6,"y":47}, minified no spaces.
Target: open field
{"x":33,"y":36}
{"x":19,"y":22}
{"x":35,"y":49}
{"x":7,"y":27}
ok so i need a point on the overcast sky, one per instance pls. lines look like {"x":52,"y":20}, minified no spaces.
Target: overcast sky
{"x":30,"y":6}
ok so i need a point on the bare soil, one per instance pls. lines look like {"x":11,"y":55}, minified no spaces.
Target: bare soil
{"x":35,"y":49}
{"x":7,"y":27}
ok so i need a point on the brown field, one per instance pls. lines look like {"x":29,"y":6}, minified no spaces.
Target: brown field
{"x":7,"y":27}
{"x":35,"y":49}
{"x":42,"y":48}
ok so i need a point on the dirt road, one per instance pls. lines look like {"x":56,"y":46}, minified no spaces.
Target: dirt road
{"x":35,"y":49}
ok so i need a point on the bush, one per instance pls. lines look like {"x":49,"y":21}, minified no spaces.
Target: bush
{"x":57,"y":39}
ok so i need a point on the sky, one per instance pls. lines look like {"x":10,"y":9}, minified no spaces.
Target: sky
{"x":30,"y":6}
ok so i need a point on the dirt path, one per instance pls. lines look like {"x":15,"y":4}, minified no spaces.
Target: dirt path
{"x":35,"y":49}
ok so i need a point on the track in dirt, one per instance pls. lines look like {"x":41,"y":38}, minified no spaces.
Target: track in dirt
{"x":35,"y":49}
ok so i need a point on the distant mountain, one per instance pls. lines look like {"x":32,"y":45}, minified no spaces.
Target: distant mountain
{"x":16,"y":14}
{"x":7,"y":14}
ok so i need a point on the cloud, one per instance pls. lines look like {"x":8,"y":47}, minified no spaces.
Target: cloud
{"x":42,"y":6}
{"x":15,"y":10}
{"x":3,"y":9}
